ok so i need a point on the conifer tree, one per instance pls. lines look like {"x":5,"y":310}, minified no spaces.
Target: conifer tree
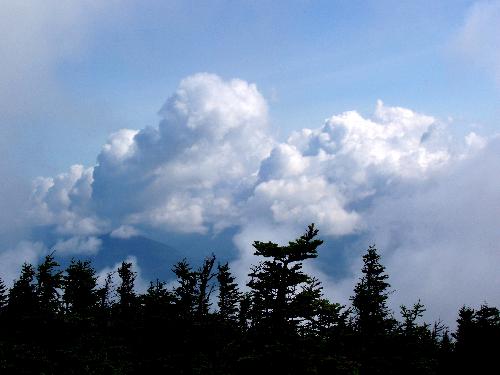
{"x":22,"y":295}
{"x":125,"y":291}
{"x":185,"y":292}
{"x":80,"y":287}
{"x":410,"y":317}
{"x":275,"y":282}
{"x":372,"y":316}
{"x":104,"y":299}
{"x":157,"y":299}
{"x":244,"y":311}
{"x":49,"y":283}
{"x":204,"y":289}
{"x":229,"y":294}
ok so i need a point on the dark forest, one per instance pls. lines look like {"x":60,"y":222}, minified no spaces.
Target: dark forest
{"x":55,"y":321}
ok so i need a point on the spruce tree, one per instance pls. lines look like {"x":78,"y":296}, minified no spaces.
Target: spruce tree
{"x":276,"y":281}
{"x":49,"y":283}
{"x":204,"y":289}
{"x":373,"y":320}
{"x":185,"y":292}
{"x":22,"y":296}
{"x":157,"y":300}
{"x":80,"y":287}
{"x":229,"y":294}
{"x":125,"y":291}
{"x":104,"y":294}
{"x":372,"y":316}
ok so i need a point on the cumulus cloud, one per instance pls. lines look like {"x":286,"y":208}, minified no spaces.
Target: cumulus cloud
{"x":64,"y":202}
{"x":396,"y":177}
{"x":186,"y":174}
{"x":321,"y":175}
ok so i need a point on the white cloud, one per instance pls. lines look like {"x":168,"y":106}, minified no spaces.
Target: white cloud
{"x":78,"y":245}
{"x":185,"y":175}
{"x":65,"y":202}
{"x":124,"y":232}
{"x":318,"y":175}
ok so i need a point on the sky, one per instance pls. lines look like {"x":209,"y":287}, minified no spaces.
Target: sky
{"x":377,"y":120}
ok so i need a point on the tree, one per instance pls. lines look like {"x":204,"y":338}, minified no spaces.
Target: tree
{"x":22,"y":295}
{"x":125,"y":291}
{"x":49,"y":283}
{"x":229,"y":295}
{"x":185,"y":292}
{"x":157,"y":300}
{"x":373,"y":321}
{"x":204,"y":290}
{"x":410,"y":317}
{"x":104,"y":300}
{"x":80,"y":287}
{"x":477,"y":337}
{"x":275,"y":282}
{"x":372,"y":316}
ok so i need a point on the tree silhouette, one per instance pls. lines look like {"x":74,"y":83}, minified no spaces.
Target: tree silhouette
{"x":370,"y":297}
{"x":22,"y":295}
{"x":49,"y":283}
{"x":185,"y":292}
{"x":282,"y":325}
{"x":372,"y":318}
{"x":275,"y":281}
{"x":125,"y":291}
{"x":204,"y":289}
{"x":229,"y":295}
{"x":80,"y":288}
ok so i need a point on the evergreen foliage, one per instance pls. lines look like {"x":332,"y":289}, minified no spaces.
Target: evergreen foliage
{"x":49,"y":282}
{"x":22,"y":295}
{"x":229,"y":295}
{"x":62,"y":322}
{"x":80,"y":288}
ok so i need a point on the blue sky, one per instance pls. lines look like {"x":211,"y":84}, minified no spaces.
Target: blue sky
{"x":309,"y":58}
{"x":75,"y":73}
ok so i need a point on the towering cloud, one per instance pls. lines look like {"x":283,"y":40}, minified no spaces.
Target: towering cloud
{"x":189,"y":173}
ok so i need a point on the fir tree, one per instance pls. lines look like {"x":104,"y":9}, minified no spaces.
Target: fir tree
{"x":22,"y":295}
{"x":276,"y":281}
{"x":204,"y":289}
{"x":229,"y":294}
{"x":49,"y":283}
{"x":104,"y":295}
{"x":372,"y":316}
{"x":185,"y":292}
{"x":80,"y":287}
{"x":125,"y":291}
{"x":158,"y":299}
